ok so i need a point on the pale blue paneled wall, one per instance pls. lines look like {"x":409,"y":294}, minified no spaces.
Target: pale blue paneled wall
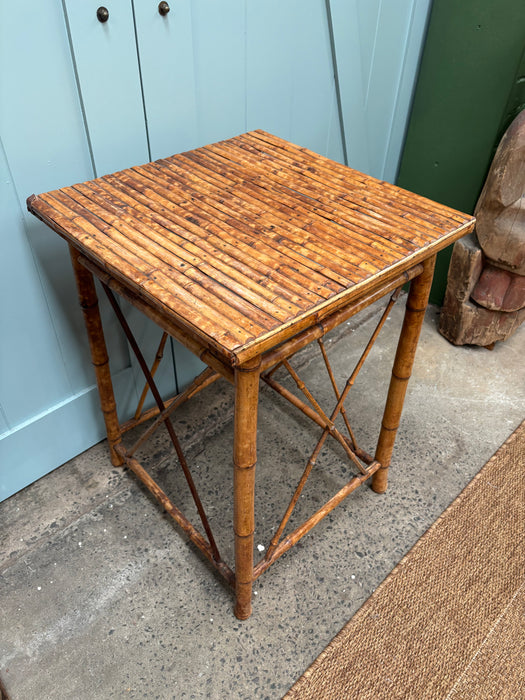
{"x":44,"y":369}
{"x":79,"y":98}
{"x":377,"y":45}
{"x":290,"y":85}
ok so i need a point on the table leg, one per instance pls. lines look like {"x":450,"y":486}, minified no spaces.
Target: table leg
{"x":87,"y":294}
{"x":244,"y":459}
{"x":401,"y":371}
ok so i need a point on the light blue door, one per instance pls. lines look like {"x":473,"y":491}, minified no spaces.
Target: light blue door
{"x":47,"y":396}
{"x":166,"y":52}
{"x":80,"y":98}
{"x":109,"y":81}
{"x":377,"y":48}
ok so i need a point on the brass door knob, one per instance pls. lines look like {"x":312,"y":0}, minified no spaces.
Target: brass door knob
{"x":164,"y":8}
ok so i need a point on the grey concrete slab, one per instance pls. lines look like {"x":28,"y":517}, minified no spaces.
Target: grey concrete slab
{"x":103,"y":597}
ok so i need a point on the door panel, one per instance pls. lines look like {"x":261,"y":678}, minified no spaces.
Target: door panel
{"x":44,"y":153}
{"x":29,"y":380}
{"x":47,"y":389}
{"x":290,"y":74}
{"x":3,"y":422}
{"x":109,"y":80}
{"x":219,"y":39}
{"x":108,"y":72}
{"x":165,"y":47}
{"x":377,"y":47}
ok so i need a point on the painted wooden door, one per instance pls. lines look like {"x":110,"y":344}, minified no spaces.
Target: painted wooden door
{"x":377,"y":49}
{"x":79,"y":98}
{"x":47,"y":395}
{"x":110,"y":88}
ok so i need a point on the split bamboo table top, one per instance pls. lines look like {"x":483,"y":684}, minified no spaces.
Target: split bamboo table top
{"x":244,"y":243}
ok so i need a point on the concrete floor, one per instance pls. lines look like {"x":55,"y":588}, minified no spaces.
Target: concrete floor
{"x":102,"y":597}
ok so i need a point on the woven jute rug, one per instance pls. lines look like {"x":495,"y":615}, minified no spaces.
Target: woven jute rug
{"x":449,"y":621}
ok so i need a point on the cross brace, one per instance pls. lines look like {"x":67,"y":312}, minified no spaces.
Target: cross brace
{"x":270,"y":362}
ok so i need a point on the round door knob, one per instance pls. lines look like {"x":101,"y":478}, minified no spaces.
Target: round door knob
{"x":102,"y":14}
{"x":164,"y":8}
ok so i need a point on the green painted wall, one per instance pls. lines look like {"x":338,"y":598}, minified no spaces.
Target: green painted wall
{"x":470,"y":85}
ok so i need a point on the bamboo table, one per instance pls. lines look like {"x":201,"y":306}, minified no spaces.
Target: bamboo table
{"x":246,"y":251}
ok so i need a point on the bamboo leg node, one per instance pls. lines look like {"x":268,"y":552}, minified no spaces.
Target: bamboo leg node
{"x":402,"y":369}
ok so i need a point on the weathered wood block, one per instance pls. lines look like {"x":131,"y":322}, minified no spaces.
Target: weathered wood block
{"x":499,"y":290}
{"x":485,"y":297}
{"x":463,"y":321}
{"x":500,"y":210}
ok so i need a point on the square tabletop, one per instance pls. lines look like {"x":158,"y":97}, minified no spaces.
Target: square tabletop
{"x":247,"y":241}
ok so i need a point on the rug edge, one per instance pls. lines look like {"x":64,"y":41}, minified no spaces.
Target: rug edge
{"x":362,"y":611}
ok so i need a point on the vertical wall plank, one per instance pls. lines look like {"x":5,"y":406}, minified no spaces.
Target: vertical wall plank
{"x":165,"y":46}
{"x":26,"y":323}
{"x":406,"y":88}
{"x":47,"y":396}
{"x":219,"y":39}
{"x":3,"y":422}
{"x":290,"y":75}
{"x":367,"y":17}
{"x":43,"y":153}
{"x":352,"y":82}
{"x":334,"y":142}
{"x":385,"y":72}
{"x":269,"y":63}
{"x":377,"y":46}
{"x":108,"y":74}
